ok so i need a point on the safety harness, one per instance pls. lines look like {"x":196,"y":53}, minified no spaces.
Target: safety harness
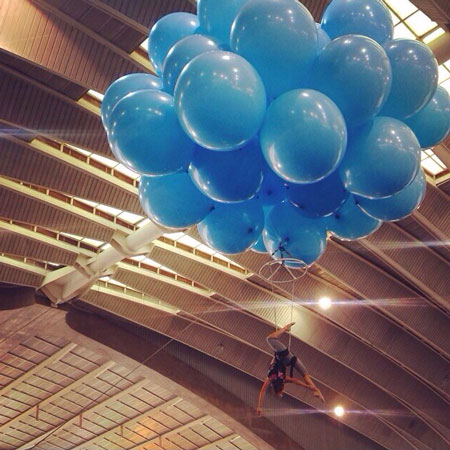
{"x":278,"y":367}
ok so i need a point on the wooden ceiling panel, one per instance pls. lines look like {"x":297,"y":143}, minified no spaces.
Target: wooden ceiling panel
{"x":147,"y":13}
{"x":13,"y":244}
{"x":15,"y":275}
{"x":58,"y":45}
{"x":34,"y":108}
{"x":26,"y":209}
{"x":26,"y":163}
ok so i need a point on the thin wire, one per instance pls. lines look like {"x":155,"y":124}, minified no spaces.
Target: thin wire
{"x":292,"y":312}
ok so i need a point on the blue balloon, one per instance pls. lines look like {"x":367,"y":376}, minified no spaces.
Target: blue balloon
{"x":181,"y":53}
{"x":124,"y":86}
{"x":232,"y":228}
{"x":382,"y":158}
{"x":232,"y":176}
{"x":289,"y":234}
{"x":173,"y":200}
{"x":216,"y":17}
{"x":220,"y":100}
{"x":259,"y":247}
{"x":369,"y":18}
{"x":279,"y":38}
{"x":319,"y":199}
{"x":304,"y":136}
{"x":273,"y":189}
{"x":323,"y":38}
{"x":167,"y":32}
{"x":145,"y":135}
{"x":350,"y":222}
{"x":431,"y":125}
{"x":399,"y":205}
{"x":414,"y":78}
{"x":355,"y":72}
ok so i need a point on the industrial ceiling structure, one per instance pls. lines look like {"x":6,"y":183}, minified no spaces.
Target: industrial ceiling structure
{"x":166,"y":350}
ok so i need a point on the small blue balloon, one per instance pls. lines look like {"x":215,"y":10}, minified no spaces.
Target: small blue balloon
{"x":124,"y":86}
{"x":414,"y":78}
{"x":220,"y":100}
{"x":232,"y":228}
{"x":259,"y":247}
{"x":289,"y":234}
{"x":216,"y":17}
{"x":146,"y":136}
{"x":232,"y":176}
{"x":431,"y":125}
{"x":173,"y":200}
{"x":369,"y":18}
{"x":319,"y":199}
{"x":273,"y":189}
{"x":167,"y":32}
{"x":382,"y":158}
{"x":355,"y":72}
{"x":350,"y":222}
{"x":323,"y":38}
{"x":399,"y":205}
{"x":279,"y":38}
{"x":304,"y":136}
{"x":181,"y":53}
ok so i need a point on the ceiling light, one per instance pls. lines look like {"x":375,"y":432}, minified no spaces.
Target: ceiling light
{"x":339,"y":411}
{"x":325,"y":302}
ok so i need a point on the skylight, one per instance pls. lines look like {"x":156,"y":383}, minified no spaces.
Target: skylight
{"x":420,"y":23}
{"x":412,"y":23}
{"x":431,"y":163}
{"x":95,"y":94}
{"x":403,"y":8}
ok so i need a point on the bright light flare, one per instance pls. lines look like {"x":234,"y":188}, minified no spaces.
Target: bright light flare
{"x":339,"y":411}
{"x":325,"y":302}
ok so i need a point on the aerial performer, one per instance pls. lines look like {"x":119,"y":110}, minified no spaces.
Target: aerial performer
{"x":277,"y":377}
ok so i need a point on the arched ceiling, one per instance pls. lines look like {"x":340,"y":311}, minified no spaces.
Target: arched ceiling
{"x":382,"y":350}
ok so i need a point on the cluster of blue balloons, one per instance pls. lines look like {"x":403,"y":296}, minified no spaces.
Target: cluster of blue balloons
{"x":271,"y":131}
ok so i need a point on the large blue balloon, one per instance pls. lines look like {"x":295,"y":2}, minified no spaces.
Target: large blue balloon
{"x":181,"y":53}
{"x":355,"y":72}
{"x":382,"y":158}
{"x":232,"y":228}
{"x":216,"y":17}
{"x":323,"y":38}
{"x":289,"y":234}
{"x":220,"y":100}
{"x":431,"y":125}
{"x":232,"y":176}
{"x":369,"y":18}
{"x":145,"y":135}
{"x":397,"y":206}
{"x":304,"y":136}
{"x":173,"y":200}
{"x":414,"y":77}
{"x":350,"y":222}
{"x":124,"y":86}
{"x":166,"y":32}
{"x":273,"y":189}
{"x":321,"y":198}
{"x":279,"y":38}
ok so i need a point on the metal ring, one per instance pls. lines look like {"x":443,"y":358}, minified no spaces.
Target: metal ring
{"x":280,"y":271}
